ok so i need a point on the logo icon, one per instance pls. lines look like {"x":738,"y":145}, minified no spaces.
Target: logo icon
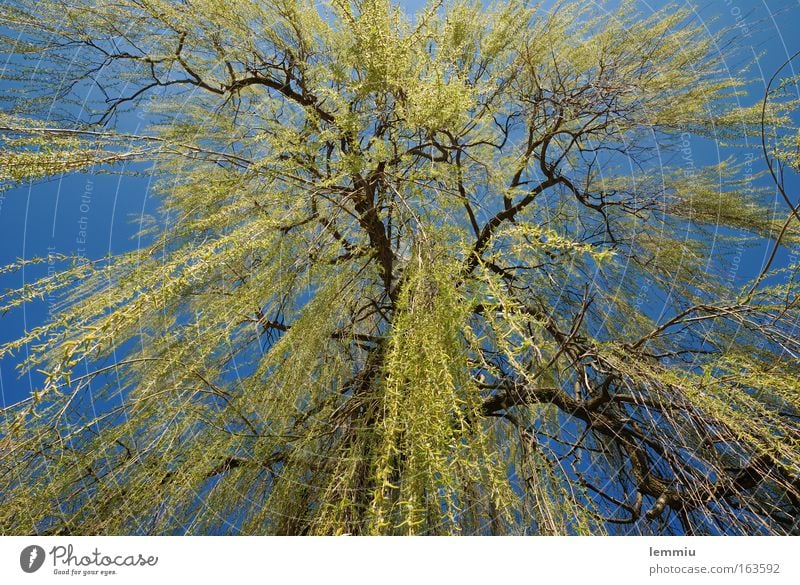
{"x":31,"y":558}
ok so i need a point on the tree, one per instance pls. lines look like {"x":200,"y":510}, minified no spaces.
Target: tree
{"x":451,"y":275}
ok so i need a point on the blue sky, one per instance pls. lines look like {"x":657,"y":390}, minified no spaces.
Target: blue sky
{"x":96,"y":214}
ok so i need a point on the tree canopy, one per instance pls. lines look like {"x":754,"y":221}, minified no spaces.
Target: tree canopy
{"x":455,"y":274}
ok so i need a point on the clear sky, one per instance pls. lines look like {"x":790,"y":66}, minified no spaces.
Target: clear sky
{"x":94,"y":214}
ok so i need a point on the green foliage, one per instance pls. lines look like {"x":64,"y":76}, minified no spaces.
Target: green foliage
{"x":410,"y":284}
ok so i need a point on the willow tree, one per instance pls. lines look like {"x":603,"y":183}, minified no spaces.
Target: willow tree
{"x":458,"y":273}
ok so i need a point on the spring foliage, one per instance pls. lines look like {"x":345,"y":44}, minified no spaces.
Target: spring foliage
{"x":445,"y":275}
